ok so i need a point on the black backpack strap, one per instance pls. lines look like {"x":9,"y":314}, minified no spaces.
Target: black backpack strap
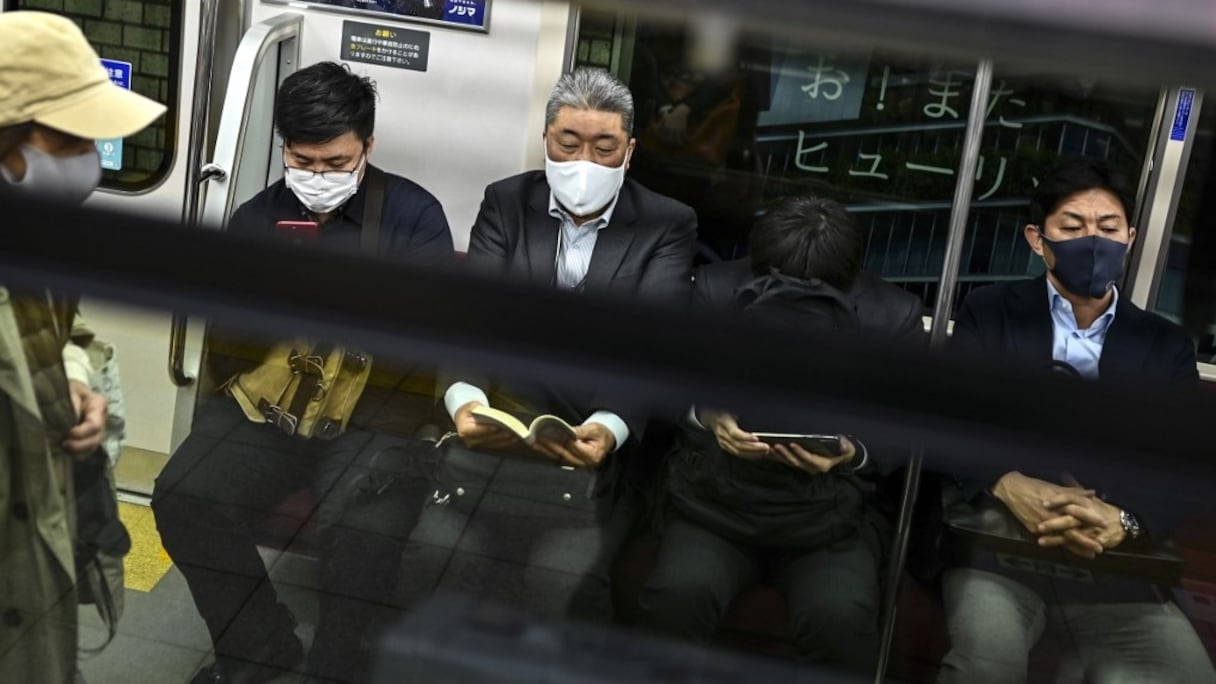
{"x":373,"y":208}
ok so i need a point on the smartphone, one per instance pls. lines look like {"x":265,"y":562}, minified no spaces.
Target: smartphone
{"x":298,"y":230}
{"x":824,"y":445}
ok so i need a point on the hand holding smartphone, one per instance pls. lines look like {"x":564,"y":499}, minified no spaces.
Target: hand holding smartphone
{"x":824,"y":445}
{"x":297,"y":231}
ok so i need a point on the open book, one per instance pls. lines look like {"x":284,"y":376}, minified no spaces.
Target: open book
{"x":546,"y":427}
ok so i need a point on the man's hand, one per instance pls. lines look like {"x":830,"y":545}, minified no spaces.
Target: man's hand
{"x":1029,"y":500}
{"x":1100,"y":522}
{"x":815,"y":464}
{"x":477,"y":435}
{"x":591,"y":444}
{"x":733,"y":439}
{"x":90,"y":410}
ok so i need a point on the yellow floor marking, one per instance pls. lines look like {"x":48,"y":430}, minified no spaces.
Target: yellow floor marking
{"x":148,"y":562}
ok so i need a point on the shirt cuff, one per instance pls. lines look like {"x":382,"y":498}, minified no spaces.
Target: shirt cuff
{"x":76,"y":364}
{"x":461,"y":393}
{"x":692,"y":418}
{"x":861,"y":451}
{"x":613,"y":422}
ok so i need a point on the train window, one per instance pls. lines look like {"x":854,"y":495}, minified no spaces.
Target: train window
{"x":1187,"y":223}
{"x":879,"y":131}
{"x":142,"y":39}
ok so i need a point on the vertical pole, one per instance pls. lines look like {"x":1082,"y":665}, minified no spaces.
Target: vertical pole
{"x":960,"y":210}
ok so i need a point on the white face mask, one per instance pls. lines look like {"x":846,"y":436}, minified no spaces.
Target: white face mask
{"x":69,"y":180}
{"x":584,"y":187}
{"x":322,"y":195}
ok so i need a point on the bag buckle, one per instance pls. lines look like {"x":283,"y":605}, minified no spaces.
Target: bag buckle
{"x":280,"y":418}
{"x":309,"y":364}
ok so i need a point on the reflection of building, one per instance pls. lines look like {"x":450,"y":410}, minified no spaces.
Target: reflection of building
{"x":900,"y":180}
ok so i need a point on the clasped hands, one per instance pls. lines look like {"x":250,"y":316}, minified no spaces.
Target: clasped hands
{"x":1070,"y":516}
{"x":738,"y":442}
{"x":591,"y":444}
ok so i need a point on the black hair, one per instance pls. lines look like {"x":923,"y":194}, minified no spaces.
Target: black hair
{"x":808,"y":237}
{"x":321,"y":102}
{"x":1075,"y":175}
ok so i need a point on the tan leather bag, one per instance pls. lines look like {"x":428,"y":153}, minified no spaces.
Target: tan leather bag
{"x":305,"y":389}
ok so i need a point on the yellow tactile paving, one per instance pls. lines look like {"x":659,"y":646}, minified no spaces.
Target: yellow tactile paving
{"x":148,"y":562}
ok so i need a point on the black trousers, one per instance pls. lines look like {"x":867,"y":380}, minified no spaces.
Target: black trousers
{"x":230,"y":474}
{"x":833,"y":592}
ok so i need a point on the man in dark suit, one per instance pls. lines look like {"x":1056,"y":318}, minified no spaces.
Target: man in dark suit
{"x":738,"y":508}
{"x":1075,"y":319}
{"x":580,"y":225}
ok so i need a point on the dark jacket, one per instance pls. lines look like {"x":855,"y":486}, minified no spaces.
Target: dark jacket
{"x":768,"y":503}
{"x":1010,"y":323}
{"x":645,"y":252}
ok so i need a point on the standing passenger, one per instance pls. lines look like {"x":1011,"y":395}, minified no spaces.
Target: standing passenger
{"x":213,"y":493}
{"x":55,"y":99}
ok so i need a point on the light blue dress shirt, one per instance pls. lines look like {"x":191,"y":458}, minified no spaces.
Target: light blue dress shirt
{"x":1080,"y":349}
{"x":575,"y":244}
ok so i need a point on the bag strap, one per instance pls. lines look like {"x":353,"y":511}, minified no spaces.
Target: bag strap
{"x":373,"y":209}
{"x":310,"y":367}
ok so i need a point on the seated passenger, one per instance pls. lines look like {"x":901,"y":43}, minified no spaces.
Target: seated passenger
{"x":580,"y":225}
{"x":739,"y":509}
{"x":1125,"y":630}
{"x":235,"y":467}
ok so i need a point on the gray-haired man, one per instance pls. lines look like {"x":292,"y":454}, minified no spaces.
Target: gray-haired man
{"x":579,"y":225}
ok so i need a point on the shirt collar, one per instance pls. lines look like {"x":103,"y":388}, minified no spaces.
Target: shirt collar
{"x":1057,"y":303}
{"x":600,"y":222}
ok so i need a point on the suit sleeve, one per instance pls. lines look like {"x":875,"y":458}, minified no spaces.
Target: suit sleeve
{"x":668,"y":274}
{"x":488,"y":239}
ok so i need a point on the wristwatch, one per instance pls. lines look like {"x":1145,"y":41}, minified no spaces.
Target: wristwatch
{"x":1131,"y":526}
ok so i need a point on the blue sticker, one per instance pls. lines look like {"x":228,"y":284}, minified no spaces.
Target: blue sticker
{"x":111,"y":149}
{"x":472,"y":12}
{"x":1182,"y":114}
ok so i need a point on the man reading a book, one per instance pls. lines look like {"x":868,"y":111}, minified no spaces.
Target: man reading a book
{"x":580,"y":225}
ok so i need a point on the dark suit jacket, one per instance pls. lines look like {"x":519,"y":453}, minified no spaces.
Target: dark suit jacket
{"x":1011,"y":323}
{"x":645,"y":251}
{"x":881,"y":307}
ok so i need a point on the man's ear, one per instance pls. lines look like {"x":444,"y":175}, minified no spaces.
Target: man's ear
{"x":1131,"y":237}
{"x":1033,"y":238}
{"x":367,"y":147}
{"x":633,"y":143}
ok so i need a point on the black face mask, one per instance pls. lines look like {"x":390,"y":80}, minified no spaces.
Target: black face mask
{"x":1088,"y":266}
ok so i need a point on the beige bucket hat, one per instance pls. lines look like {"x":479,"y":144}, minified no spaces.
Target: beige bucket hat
{"x":49,"y":74}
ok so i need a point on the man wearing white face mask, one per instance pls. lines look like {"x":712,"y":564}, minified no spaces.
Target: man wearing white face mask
{"x":325,"y":115}
{"x":55,"y":98}
{"x":580,"y":225}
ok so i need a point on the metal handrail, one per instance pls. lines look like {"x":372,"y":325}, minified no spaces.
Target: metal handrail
{"x":963,"y":190}
{"x":209,"y":19}
{"x":230,"y":139}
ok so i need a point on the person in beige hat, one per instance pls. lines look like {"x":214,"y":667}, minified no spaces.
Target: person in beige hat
{"x":55,"y":98}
